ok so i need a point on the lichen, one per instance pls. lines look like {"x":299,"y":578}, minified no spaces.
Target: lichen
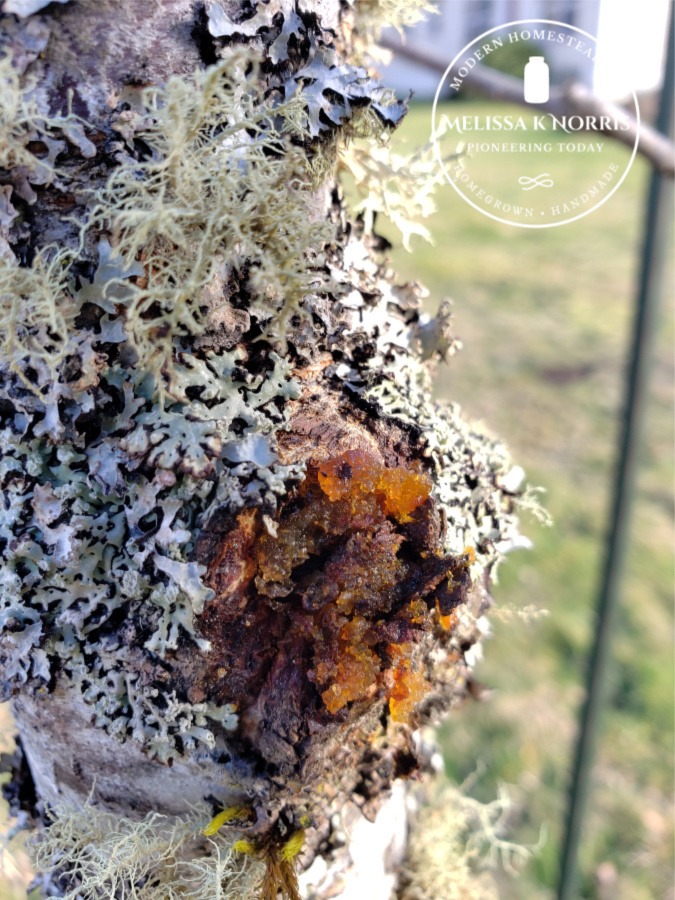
{"x":467,"y":463}
{"x":83,"y":542}
{"x":457,"y":844}
{"x":36,"y":313}
{"x":26,"y":7}
{"x":375,"y":15}
{"x":23,"y":126}
{"x":399,"y":187}
{"x":221,"y":183}
{"x":147,"y":523}
{"x":94,"y":854}
{"x":392,"y":352}
{"x":367,"y":19}
{"x":127,"y":423}
{"x":328,"y":91}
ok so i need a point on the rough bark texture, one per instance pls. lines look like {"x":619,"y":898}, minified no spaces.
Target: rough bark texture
{"x":244,"y":571}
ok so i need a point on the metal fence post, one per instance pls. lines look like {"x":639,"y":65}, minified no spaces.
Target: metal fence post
{"x":654,"y":254}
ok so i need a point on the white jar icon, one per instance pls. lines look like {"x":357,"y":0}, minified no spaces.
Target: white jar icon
{"x":536,"y":80}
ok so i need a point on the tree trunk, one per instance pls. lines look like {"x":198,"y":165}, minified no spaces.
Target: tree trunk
{"x":244,"y":553}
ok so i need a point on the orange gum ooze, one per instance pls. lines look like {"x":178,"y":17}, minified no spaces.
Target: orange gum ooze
{"x":363,"y":631}
{"x":356,"y":472}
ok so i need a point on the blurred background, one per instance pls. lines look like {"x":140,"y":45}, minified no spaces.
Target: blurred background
{"x":630,"y":42}
{"x":545,"y":317}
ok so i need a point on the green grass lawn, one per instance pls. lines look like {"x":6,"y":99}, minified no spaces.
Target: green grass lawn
{"x":544,"y":316}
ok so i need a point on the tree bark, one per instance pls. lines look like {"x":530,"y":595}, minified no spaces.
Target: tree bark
{"x":245,"y":554}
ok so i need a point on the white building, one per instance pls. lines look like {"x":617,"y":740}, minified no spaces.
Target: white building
{"x":630,"y":49}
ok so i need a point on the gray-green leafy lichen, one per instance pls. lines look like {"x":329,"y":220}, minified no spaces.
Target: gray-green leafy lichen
{"x":103,"y":492}
{"x":23,"y":124}
{"x":388,"y":351}
{"x":329,"y":92}
{"x":132,"y":412}
{"x":148,"y":374}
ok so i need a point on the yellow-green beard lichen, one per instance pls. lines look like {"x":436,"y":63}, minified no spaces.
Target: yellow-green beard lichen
{"x":156,"y":858}
{"x":222,"y":183}
{"x":370,"y":18}
{"x":454,"y":846}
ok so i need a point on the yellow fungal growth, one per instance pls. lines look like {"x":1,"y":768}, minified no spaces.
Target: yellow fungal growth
{"x":248,"y":848}
{"x":410,"y":686}
{"x":470,"y":554}
{"x":224,"y":817}
{"x":359,"y":602}
{"x":293,"y":846}
{"x":446,"y":622}
{"x":403,"y":491}
{"x":358,"y":668}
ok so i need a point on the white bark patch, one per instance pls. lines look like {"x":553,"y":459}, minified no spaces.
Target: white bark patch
{"x":25,"y":8}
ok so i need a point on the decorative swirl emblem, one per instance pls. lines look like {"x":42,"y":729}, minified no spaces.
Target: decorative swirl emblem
{"x":543,"y":180}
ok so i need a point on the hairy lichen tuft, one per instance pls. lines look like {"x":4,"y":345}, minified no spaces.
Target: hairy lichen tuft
{"x":221,"y":183}
{"x":457,"y":843}
{"x":375,"y":15}
{"x":98,"y":855}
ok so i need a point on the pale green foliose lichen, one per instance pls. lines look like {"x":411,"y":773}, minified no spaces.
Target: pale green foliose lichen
{"x":21,"y":122}
{"x":130,"y":411}
{"x":98,"y":526}
{"x":475,"y":481}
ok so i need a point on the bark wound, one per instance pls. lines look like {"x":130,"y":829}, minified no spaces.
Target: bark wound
{"x":317,"y":614}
